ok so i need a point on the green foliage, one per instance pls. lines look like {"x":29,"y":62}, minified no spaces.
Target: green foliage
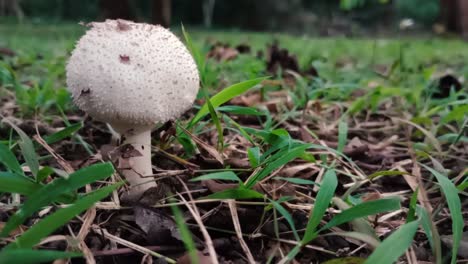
{"x":49,"y":224}
{"x":425,"y":11}
{"x":54,"y":190}
{"x":31,"y":256}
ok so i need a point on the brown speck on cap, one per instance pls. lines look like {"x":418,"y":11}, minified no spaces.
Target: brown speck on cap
{"x":124,"y":58}
{"x":122,"y":25}
{"x":85,"y":91}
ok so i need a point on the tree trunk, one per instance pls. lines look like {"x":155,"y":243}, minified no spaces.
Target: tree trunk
{"x":208,"y":7}
{"x":448,"y":14}
{"x":454,"y":15}
{"x":8,"y":7}
{"x":463,"y":17}
{"x":161,"y":12}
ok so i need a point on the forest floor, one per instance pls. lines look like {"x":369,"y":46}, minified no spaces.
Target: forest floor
{"x":322,"y":149}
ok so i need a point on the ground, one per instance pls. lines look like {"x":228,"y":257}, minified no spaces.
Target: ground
{"x":314,"y":149}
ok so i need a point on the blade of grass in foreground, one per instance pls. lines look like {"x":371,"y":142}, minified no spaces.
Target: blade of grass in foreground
{"x":224,"y":96}
{"x":64,"y":133}
{"x":31,"y":256}
{"x":50,"y":192}
{"x":342,"y":135}
{"x":8,"y":159}
{"x":395,"y":245}
{"x":49,"y":224}
{"x":214,"y":117}
{"x":27,"y":148}
{"x":199,"y":59}
{"x":224,"y":175}
{"x":324,"y":196}
{"x":286,"y":216}
{"x":237,"y":193}
{"x":185,"y":234}
{"x":363,"y":210}
{"x":291,"y":155}
{"x":454,"y":205}
{"x":14,"y":183}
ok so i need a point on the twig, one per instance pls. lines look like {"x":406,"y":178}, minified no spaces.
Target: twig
{"x":123,"y":251}
{"x":197,"y":217}
{"x":129,"y":244}
{"x":237,"y":227}
{"x":84,"y":230}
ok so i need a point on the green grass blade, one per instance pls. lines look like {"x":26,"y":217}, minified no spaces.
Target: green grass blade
{"x":297,"y":181}
{"x":214,"y":117}
{"x":289,"y":156}
{"x":49,"y":224}
{"x":324,"y":196}
{"x":362,"y":210}
{"x":64,"y":133}
{"x":27,"y":148}
{"x":342,"y":135}
{"x":225,"y":95}
{"x":52,"y":191}
{"x":225,"y":175}
{"x":411,"y":215}
{"x":454,"y":205}
{"x":426,"y":224}
{"x":237,"y":193}
{"x":359,"y":225}
{"x":240,"y":110}
{"x":286,"y":216}
{"x":385,"y":173}
{"x":8,"y":159}
{"x":14,"y":183}
{"x":185,"y":234}
{"x":198,"y":57}
{"x":43,"y":173}
{"x":31,"y":256}
{"x":254,"y":156}
{"x":395,"y":245}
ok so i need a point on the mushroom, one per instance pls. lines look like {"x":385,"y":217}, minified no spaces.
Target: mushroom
{"x":132,"y":76}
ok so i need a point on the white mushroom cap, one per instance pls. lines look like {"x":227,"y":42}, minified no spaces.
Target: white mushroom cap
{"x":127,"y":73}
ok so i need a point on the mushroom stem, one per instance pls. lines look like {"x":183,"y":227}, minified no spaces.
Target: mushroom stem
{"x":140,"y":165}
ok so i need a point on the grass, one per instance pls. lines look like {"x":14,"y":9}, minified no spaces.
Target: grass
{"x":363,"y":156}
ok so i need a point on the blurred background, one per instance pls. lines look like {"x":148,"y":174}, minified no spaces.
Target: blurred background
{"x":314,"y":17}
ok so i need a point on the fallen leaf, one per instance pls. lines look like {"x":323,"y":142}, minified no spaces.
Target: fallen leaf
{"x":4,"y":51}
{"x":158,"y":226}
{"x":222,"y":52}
